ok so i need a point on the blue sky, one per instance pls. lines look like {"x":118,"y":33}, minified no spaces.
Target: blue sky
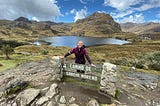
{"x":137,"y":11}
{"x":122,"y":10}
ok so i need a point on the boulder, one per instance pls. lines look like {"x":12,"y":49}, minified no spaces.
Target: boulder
{"x":93,"y":102}
{"x":52,"y":91}
{"x":51,"y":103}
{"x":73,"y":105}
{"x":62,"y":105}
{"x":27,"y":96}
{"x":62,"y":100}
{"x":72,"y":99}
{"x":42,"y":100}
{"x":14,"y":104}
{"x":15,"y":85}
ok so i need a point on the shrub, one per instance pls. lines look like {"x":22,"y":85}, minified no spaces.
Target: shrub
{"x":117,"y":94}
{"x":44,"y":52}
{"x":155,"y":66}
{"x":7,"y":50}
{"x":153,"y":60}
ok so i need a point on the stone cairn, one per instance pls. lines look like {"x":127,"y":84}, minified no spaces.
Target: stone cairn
{"x":108,"y":79}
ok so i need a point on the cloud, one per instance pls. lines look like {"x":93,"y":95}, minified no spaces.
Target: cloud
{"x":86,"y":1}
{"x":121,"y":14}
{"x":102,"y":12}
{"x":79,"y":14}
{"x":139,"y":5}
{"x":41,"y":9}
{"x":136,"y":18}
{"x":35,"y":19}
{"x":126,"y":8}
{"x":73,"y":11}
{"x":83,"y":2}
{"x":121,"y":4}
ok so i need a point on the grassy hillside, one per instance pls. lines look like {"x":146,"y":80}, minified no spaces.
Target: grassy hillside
{"x":123,"y":55}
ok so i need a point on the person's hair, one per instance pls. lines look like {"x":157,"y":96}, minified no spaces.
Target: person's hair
{"x":80,"y":41}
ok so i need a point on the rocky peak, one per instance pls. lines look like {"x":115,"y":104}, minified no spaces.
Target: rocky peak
{"x":23,"y":19}
{"x":97,"y":24}
{"x":96,"y":16}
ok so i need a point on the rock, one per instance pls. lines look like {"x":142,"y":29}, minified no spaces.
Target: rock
{"x":111,"y":105}
{"x":145,"y":67}
{"x":1,"y":64}
{"x":9,"y":105}
{"x":55,"y":60}
{"x":56,"y":77}
{"x":93,"y":102}
{"x":62,"y":100}
{"x":42,"y":100}
{"x":23,"y":19}
{"x":27,"y":96}
{"x":108,"y":79}
{"x":57,"y":98}
{"x":15,"y":84}
{"x":72,"y":99}
{"x":51,"y":103}
{"x":52,"y":91}
{"x":62,"y":105}
{"x":73,"y":105}
{"x":158,"y":85}
{"x":14,"y":104}
{"x":45,"y":89}
{"x":3,"y":104}
{"x":132,"y":69}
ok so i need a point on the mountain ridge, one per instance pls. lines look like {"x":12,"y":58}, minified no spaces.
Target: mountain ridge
{"x":96,"y":24}
{"x":141,"y":28}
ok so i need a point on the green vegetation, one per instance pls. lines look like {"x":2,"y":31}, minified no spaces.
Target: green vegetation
{"x":148,"y":61}
{"x":19,"y":88}
{"x":44,"y":52}
{"x":30,"y":53}
{"x":149,"y":71}
{"x":7,"y":51}
{"x":142,"y":55}
{"x":117,"y":94}
{"x":81,"y":82}
{"x":154,"y":60}
{"x":17,"y":59}
{"x":129,"y":55}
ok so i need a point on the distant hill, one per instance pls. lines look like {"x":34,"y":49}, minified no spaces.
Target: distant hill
{"x":141,"y":28}
{"x":96,"y":24}
{"x":23,"y":19}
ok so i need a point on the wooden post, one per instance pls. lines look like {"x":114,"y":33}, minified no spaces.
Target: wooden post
{"x":108,"y":79}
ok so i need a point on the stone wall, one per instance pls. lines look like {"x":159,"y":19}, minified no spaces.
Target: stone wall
{"x":108,"y":79}
{"x":108,"y":76}
{"x":57,"y":68}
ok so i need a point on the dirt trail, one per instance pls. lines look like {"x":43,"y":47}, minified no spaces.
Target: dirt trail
{"x":82,"y":93}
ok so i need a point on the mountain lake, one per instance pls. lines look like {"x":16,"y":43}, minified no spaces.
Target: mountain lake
{"x":71,"y":41}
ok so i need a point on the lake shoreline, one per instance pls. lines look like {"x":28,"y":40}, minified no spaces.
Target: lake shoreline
{"x":70,"y":41}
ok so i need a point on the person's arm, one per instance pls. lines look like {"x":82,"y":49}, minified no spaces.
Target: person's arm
{"x":87,"y":57}
{"x":69,"y":53}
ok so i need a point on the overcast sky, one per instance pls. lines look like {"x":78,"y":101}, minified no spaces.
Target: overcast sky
{"x":137,"y":11}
